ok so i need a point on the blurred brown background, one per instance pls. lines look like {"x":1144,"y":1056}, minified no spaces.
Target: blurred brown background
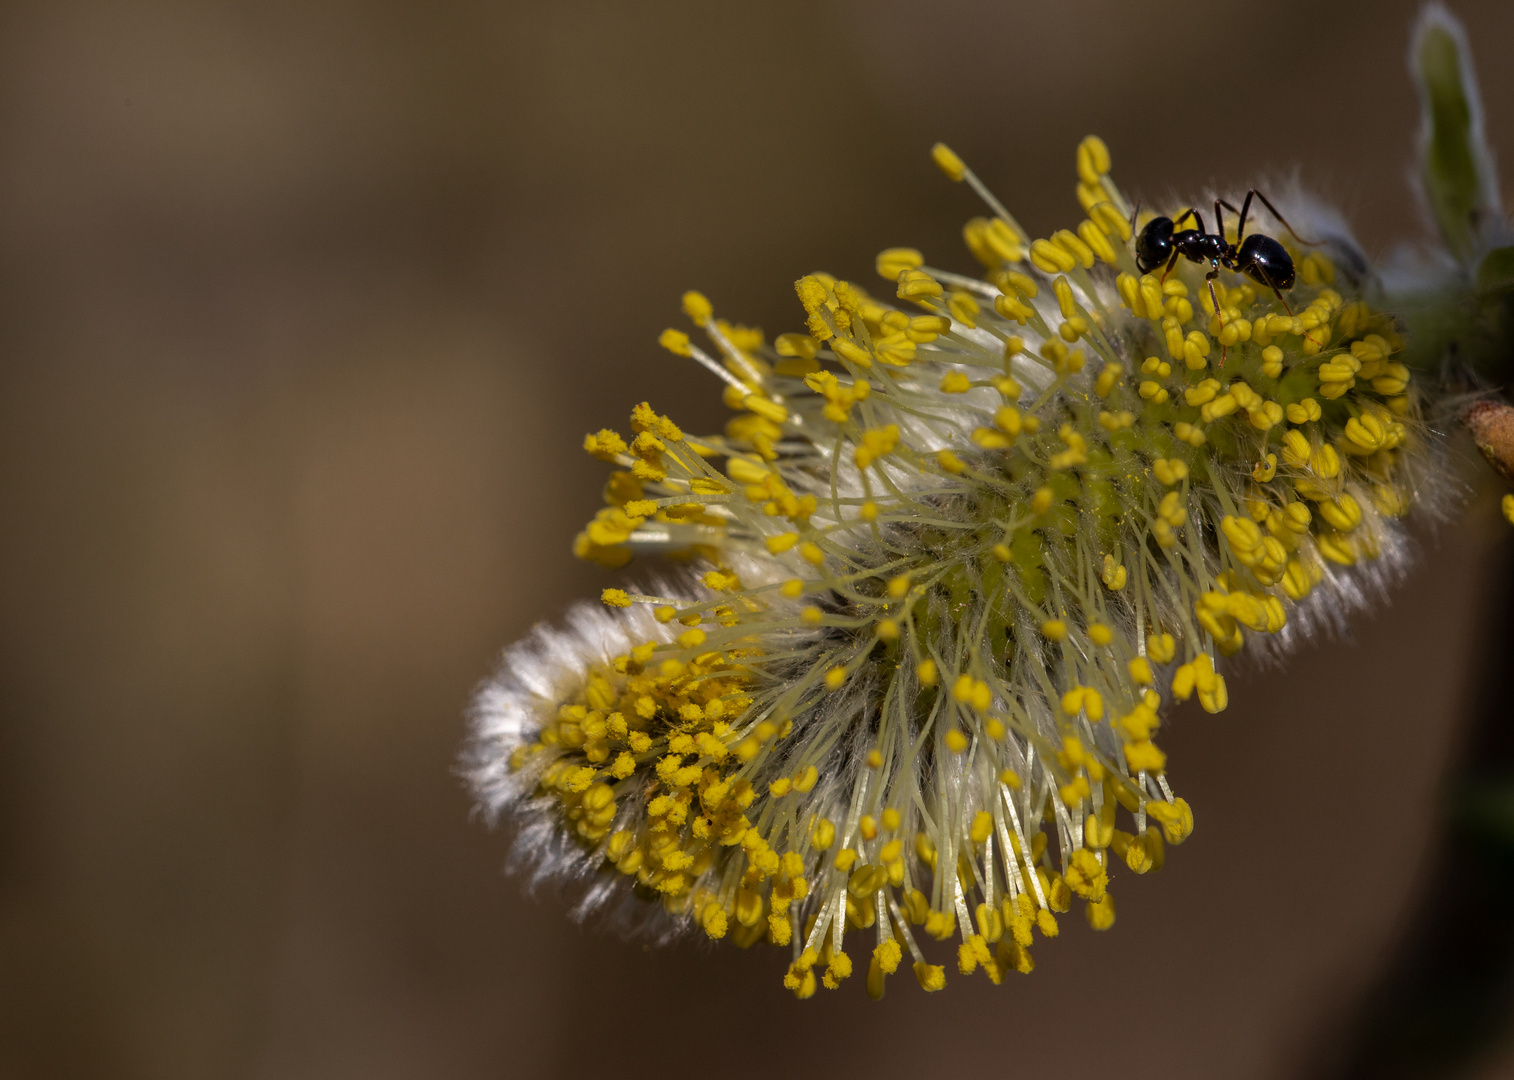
{"x":304,"y":308}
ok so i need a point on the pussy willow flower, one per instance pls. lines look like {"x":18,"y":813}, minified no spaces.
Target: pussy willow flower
{"x":960,"y":550}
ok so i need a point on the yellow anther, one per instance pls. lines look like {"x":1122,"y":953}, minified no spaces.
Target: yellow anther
{"x":917,"y":285}
{"x":835,"y":678}
{"x":811,"y":615}
{"x":1107,"y":380}
{"x":894,"y":261}
{"x":1073,"y":244}
{"x":1023,"y":284}
{"x":885,"y":961}
{"x":1083,"y":699}
{"x":1140,"y":671}
{"x":852,"y":353}
{"x":1110,"y":220}
{"x":713,"y":919}
{"x":925,"y":671}
{"x":1393,"y":380}
{"x":1100,"y":914}
{"x":1073,"y":329}
{"x":955,"y":382}
{"x":1215,"y":698}
{"x":697,"y":308}
{"x":1151,"y":298}
{"x":1176,"y":819}
{"x":1051,"y":258}
{"x":1508,"y":508}
{"x":1172,"y":509}
{"x":932,"y":977}
{"x":806,"y":780}
{"x":1065,"y":302}
{"x":956,"y":742}
{"x":887,"y":630}
{"x":1191,"y":434}
{"x":1013,"y":308}
{"x":1098,"y":829}
{"x":964,"y":309}
{"x":1202,"y":393}
{"x":793,"y":589}
{"x":768,"y":410}
{"x":615,"y":598}
{"x":948,"y":162}
{"x":1093,"y":159}
{"x":982,"y":827}
{"x":993,"y":241}
{"x":1100,"y":634}
{"x":990,"y":921}
{"x":1094,"y":238}
{"x":1115,"y":575}
{"x":1169,"y":471}
{"x":676,"y":342}
{"x":1325,"y":462}
{"x":876,"y":443}
{"x":811,"y":553}
{"x":1002,"y":552}
{"x":746,"y":471}
{"x":1343,"y":512}
{"x":1296,"y":448}
{"x":800,"y":346}
{"x":1007,"y":420}
{"x":1223,"y":405}
{"x":1365,"y":434}
{"x":1055,"y":629}
{"x":782,"y":542}
{"x":605,"y":445}
{"x":1076,"y":452}
{"x":1143,"y":756}
{"x":1337,"y":548}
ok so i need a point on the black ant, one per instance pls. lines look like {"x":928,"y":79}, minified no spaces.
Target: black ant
{"x":1258,"y":256}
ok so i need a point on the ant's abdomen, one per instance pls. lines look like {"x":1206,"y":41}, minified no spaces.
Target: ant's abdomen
{"x":1154,"y":245}
{"x":1265,"y":261}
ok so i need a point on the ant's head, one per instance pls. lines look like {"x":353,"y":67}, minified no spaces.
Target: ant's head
{"x":1154,"y":246}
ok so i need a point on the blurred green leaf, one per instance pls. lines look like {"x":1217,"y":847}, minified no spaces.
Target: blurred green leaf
{"x":1496,"y":271}
{"x":1455,"y":166}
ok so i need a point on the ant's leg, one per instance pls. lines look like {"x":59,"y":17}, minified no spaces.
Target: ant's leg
{"x":1209,"y":280}
{"x":1190,"y":213}
{"x":1241,"y":229}
{"x":1269,"y":206}
{"x":1170,"y":264}
{"x":1245,"y":208}
{"x":1280,"y":299}
{"x":1219,"y":219}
